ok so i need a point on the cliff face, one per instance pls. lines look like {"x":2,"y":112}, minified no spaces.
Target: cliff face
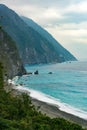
{"x":33,"y":46}
{"x":9,"y":56}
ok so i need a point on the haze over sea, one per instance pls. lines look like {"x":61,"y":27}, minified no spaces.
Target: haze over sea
{"x":66,"y":87}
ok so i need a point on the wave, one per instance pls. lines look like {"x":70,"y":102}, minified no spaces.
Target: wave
{"x":50,"y":100}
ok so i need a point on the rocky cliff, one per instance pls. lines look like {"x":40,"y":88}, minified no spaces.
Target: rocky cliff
{"x":9,"y":56}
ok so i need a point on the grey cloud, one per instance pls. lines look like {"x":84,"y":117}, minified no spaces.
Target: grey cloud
{"x":75,"y":17}
{"x":56,"y":3}
{"x":40,"y":3}
{"x":70,"y":18}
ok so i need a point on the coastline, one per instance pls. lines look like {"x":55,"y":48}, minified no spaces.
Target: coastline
{"x":49,"y":109}
{"x":53,"y":112}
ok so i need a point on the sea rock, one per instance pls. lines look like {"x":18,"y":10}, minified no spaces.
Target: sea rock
{"x":36,"y":72}
{"x":50,"y":73}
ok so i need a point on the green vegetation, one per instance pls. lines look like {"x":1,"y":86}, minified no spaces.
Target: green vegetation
{"x":1,"y":76}
{"x":0,"y":27}
{"x":18,"y":113}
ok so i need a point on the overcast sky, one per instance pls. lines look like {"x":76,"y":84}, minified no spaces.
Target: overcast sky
{"x":66,"y":20}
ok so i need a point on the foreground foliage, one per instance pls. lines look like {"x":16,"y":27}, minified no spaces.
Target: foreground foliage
{"x":18,"y":113}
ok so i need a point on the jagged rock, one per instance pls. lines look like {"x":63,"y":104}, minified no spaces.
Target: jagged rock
{"x":36,"y":72}
{"x":29,"y":73}
{"x":50,"y":73}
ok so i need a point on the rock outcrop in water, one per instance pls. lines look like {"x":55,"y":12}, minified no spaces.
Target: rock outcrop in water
{"x":34,"y":47}
{"x":9,"y":56}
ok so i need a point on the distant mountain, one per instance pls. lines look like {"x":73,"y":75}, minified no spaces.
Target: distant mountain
{"x":60,"y":49}
{"x":9,"y":56}
{"x":34,"y":47}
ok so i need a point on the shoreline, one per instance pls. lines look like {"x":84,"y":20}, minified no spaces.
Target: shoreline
{"x":49,"y":109}
{"x":52,"y":111}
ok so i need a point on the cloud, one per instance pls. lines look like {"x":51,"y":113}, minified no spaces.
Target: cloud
{"x":48,"y":12}
{"x":73,"y":18}
{"x":80,"y":7}
{"x":72,"y":36}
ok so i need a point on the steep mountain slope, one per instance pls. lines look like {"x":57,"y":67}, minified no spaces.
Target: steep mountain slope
{"x":32,"y":46}
{"x":44,"y":33}
{"x":61,"y":50}
{"x":9,"y":56}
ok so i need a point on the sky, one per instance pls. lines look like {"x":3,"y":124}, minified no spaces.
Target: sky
{"x":66,"y":20}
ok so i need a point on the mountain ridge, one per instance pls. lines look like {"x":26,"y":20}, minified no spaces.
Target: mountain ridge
{"x":33,"y":47}
{"x":44,"y":33}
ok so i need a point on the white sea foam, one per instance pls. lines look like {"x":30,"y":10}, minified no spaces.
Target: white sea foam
{"x":11,"y":81}
{"x":50,"y":100}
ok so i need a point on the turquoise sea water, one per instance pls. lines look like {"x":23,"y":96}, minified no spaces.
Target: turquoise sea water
{"x":67,"y":85}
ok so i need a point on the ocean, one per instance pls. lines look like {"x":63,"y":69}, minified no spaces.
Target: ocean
{"x":65,"y":87}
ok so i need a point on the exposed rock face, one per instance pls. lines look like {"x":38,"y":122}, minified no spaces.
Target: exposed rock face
{"x":33,"y":47}
{"x":9,"y":56}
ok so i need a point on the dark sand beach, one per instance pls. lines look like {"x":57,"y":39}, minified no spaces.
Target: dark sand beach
{"x":53,"y":112}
